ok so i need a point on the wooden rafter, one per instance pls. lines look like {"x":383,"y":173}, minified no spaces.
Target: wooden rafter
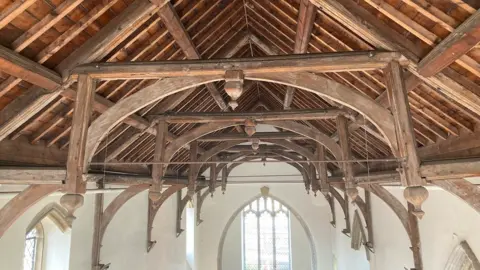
{"x":452,"y":48}
{"x":306,"y":19}
{"x":176,"y":29}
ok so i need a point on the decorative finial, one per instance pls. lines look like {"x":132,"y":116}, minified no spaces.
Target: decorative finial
{"x":71,"y":202}
{"x":265,"y":191}
{"x":416,"y":195}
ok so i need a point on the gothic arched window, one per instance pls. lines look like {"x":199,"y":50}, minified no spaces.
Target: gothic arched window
{"x":266,"y":235}
{"x":33,"y":248}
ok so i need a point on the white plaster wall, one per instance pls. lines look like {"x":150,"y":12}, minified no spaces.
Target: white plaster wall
{"x":347,"y":258}
{"x":124,"y":243}
{"x":56,"y":255}
{"x":170,"y":251}
{"x":217,"y":211}
{"x":12,"y":243}
{"x":300,"y":246}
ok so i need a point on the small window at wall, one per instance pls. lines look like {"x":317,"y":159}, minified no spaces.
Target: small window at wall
{"x":33,"y":248}
{"x":266,"y":235}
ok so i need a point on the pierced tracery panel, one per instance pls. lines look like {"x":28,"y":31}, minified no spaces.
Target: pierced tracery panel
{"x":266,"y":235}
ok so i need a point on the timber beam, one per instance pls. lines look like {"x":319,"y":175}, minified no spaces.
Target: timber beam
{"x":214,"y":117}
{"x":315,"y":62}
{"x":306,"y":19}
{"x":258,"y":135}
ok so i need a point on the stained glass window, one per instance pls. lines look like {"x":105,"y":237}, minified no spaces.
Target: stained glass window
{"x":31,"y":247}
{"x":266,"y":235}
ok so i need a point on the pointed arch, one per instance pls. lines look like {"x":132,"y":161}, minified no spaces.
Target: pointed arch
{"x":379,"y":116}
{"x":462,"y":258}
{"x":22,"y":202}
{"x":292,"y":210}
{"x":56,"y":213}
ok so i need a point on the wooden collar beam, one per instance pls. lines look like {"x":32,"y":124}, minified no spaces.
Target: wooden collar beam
{"x":258,"y":135}
{"x":214,"y":117}
{"x":315,"y":62}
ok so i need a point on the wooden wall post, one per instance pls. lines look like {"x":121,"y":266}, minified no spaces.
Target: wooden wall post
{"x":97,"y":223}
{"x":322,"y":169}
{"x":347,"y":165}
{"x":192,"y":173}
{"x":75,"y":185}
{"x":313,"y":178}
{"x":213,"y":176}
{"x":158,"y":156}
{"x":415,"y":193}
{"x":224,"y":177}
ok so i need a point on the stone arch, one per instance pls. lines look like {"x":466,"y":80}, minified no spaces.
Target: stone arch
{"x":295,"y":213}
{"x":22,"y":202}
{"x":379,"y":116}
{"x":462,"y":258}
{"x":56,"y":213}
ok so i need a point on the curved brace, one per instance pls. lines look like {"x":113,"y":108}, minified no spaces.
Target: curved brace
{"x":378,"y":115}
{"x":153,"y":210}
{"x":124,"y":108}
{"x":22,"y":202}
{"x":463,"y":189}
{"x":205,"y":129}
{"x":200,"y":199}
{"x":344,"y":206}
{"x":408,"y":221}
{"x":117,"y":203}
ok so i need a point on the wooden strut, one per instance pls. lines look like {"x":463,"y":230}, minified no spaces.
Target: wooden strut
{"x":415,"y":193}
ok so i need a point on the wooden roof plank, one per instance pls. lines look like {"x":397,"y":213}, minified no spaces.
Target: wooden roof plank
{"x":114,"y":32}
{"x":44,"y":24}
{"x":13,"y":10}
{"x":457,"y":44}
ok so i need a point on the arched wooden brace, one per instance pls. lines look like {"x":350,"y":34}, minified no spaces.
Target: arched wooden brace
{"x":410,"y":224}
{"x":289,"y":145}
{"x":19,"y":204}
{"x":464,"y":190}
{"x":200,"y":198}
{"x":229,"y":169}
{"x":153,"y":209}
{"x":336,"y":195}
{"x":205,"y":129}
{"x":379,"y":116}
{"x":363,"y":209}
{"x":116,"y":204}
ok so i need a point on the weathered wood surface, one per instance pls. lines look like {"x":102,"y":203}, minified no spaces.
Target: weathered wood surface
{"x":257,"y":135}
{"x":78,"y":138}
{"x":407,"y":144}
{"x":158,"y":170}
{"x":108,"y":37}
{"x":453,"y":47}
{"x":305,"y":22}
{"x":324,"y":62}
{"x":209,"y":117}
